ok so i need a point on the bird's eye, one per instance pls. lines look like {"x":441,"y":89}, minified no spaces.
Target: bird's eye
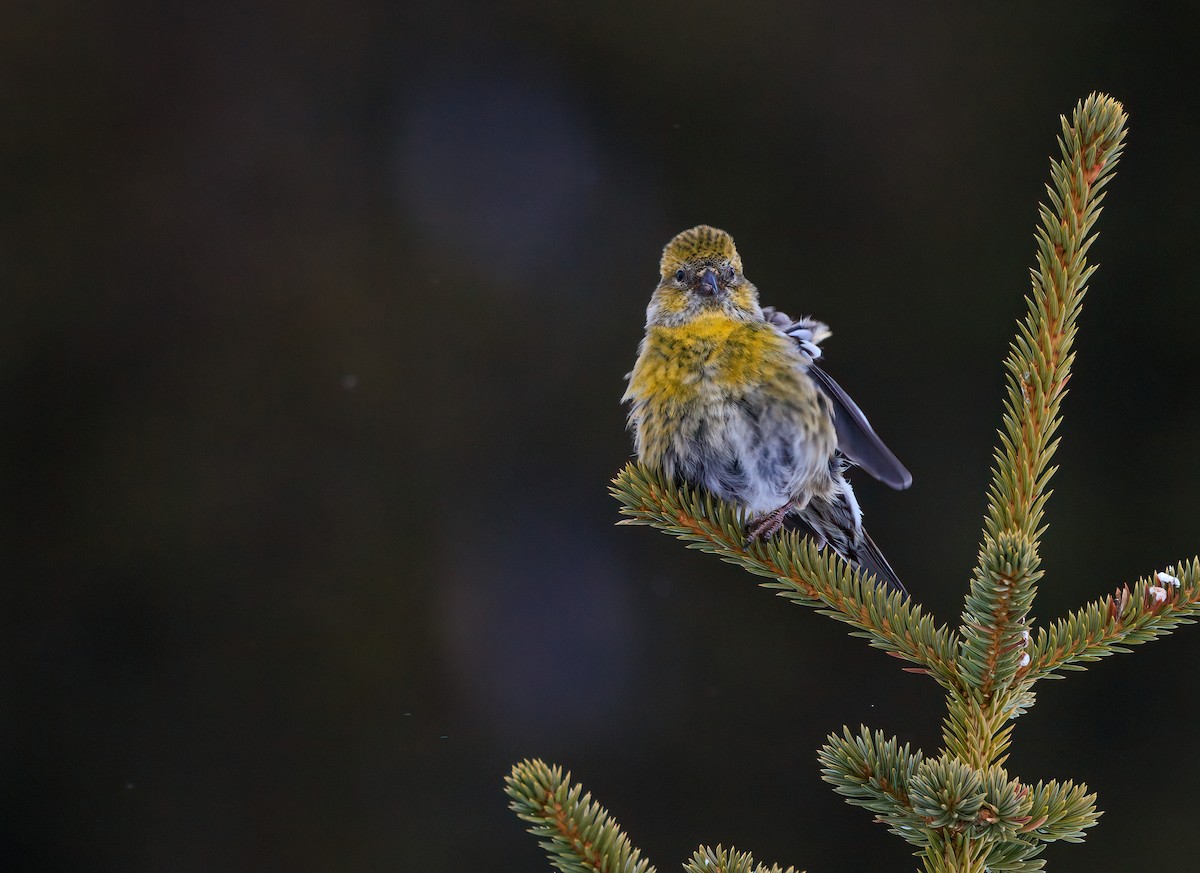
{"x":728,"y":273}
{"x":679,"y":275}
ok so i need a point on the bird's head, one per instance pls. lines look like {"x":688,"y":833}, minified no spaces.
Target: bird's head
{"x":701,"y":274}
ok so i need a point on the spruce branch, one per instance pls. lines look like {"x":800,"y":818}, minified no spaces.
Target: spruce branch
{"x":1061,"y":811}
{"x":978,"y":733}
{"x":1153,"y":607}
{"x":799,"y":570}
{"x":578,"y":835}
{"x":993,"y":622}
{"x":718,"y":860}
{"x":874,"y":772}
{"x":1004,"y":813}
{"x":1038,"y":368}
{"x":947,"y":793}
{"x":1013,"y":856}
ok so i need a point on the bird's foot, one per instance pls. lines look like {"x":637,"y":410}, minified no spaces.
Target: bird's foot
{"x":765,"y":526}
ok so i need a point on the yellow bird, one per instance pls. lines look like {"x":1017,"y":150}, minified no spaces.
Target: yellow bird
{"x":726,"y":395}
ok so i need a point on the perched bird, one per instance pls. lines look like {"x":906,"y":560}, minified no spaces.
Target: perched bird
{"x":725,"y":394}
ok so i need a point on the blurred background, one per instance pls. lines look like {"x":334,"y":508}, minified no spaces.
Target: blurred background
{"x":314,"y":323}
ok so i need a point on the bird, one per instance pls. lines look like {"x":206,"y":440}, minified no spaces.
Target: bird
{"x":726,"y":394}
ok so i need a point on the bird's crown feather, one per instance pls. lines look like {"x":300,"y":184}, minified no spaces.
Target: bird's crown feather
{"x":700,"y":243}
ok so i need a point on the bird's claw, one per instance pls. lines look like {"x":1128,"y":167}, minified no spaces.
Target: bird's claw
{"x":764,"y":527}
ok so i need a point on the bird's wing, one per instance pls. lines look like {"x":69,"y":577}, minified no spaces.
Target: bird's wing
{"x":857,"y":440}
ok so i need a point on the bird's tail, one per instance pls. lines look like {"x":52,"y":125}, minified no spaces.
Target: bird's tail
{"x":856,"y":546}
{"x":872,"y":560}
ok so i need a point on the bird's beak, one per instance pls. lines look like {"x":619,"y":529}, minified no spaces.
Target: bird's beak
{"x":708,"y":284}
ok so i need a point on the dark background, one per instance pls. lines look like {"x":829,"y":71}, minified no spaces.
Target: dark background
{"x":314,"y":324}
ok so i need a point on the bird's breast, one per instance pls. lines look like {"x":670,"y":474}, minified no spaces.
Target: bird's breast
{"x":713,"y":357}
{"x":729,"y":406}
